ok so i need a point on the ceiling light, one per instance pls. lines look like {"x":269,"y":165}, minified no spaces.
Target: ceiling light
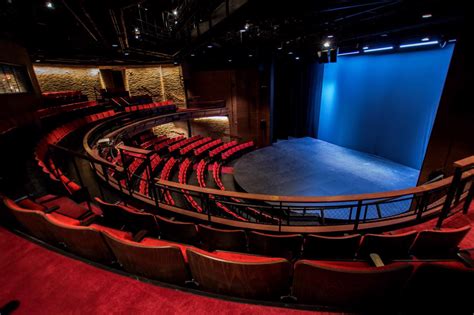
{"x":37,"y":60}
{"x":250,"y":55}
{"x":290,"y":53}
{"x":327,"y":44}
{"x":427,"y":15}
{"x":280,"y":48}
{"x":247,"y":26}
{"x":192,"y":55}
{"x":330,"y":36}
{"x":126,"y":54}
{"x":114,"y":45}
{"x":297,"y":58}
{"x":365,"y":47}
{"x":209,"y":46}
{"x":433,"y":42}
{"x":378,"y":49}
{"x":230,"y":60}
{"x":349,"y":53}
{"x":425,"y":39}
{"x":49,"y":5}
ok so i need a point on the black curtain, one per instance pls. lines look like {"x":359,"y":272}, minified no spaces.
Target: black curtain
{"x":296,"y":99}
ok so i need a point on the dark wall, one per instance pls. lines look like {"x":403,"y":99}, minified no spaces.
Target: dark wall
{"x":246,"y":94}
{"x":452,"y":137}
{"x":14,"y":105}
{"x":296,"y":99}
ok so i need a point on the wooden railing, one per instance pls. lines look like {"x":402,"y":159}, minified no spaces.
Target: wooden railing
{"x":298,"y":214}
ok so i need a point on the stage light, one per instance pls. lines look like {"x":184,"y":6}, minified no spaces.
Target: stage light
{"x":49,"y":5}
{"x":427,"y":15}
{"x":378,"y":49}
{"x":433,"y":42}
{"x":425,"y":39}
{"x":246,"y":26}
{"x":175,"y":12}
{"x":349,"y":53}
{"x":327,"y":44}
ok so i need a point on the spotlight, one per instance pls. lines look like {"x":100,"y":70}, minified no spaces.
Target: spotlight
{"x":247,"y":26}
{"x":327,"y":44}
{"x":427,"y":15}
{"x":49,"y":5}
{"x":175,"y":12}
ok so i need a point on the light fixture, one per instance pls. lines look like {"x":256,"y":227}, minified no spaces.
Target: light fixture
{"x":247,"y":26}
{"x":297,"y":58}
{"x":250,"y":55}
{"x":209,"y":46}
{"x":327,"y":44}
{"x":230,"y":60}
{"x":384,"y":35}
{"x":37,"y":60}
{"x":126,"y":54}
{"x":290,"y":53}
{"x":243,"y":30}
{"x":330,"y":36}
{"x":425,"y":39}
{"x":433,"y":42}
{"x":452,"y":40}
{"x":49,"y":5}
{"x":280,"y":48}
{"x":365,"y":47}
{"x":175,"y":63}
{"x":114,"y":45}
{"x":192,"y":55}
{"x":427,"y":15}
{"x":349,"y":53}
{"x":378,"y":49}
{"x":175,"y":12}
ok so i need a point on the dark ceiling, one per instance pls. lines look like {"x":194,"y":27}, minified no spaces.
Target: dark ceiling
{"x":151,"y":31}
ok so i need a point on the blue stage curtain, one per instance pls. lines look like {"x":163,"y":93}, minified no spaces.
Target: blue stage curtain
{"x":384,"y":104}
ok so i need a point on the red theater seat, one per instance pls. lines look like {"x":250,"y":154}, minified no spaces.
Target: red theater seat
{"x":178,"y":231}
{"x":388,"y":247}
{"x":331,"y":247}
{"x":232,"y":240}
{"x":161,"y":261}
{"x":240,"y":275}
{"x":286,"y":246}
{"x":323,"y":283}
{"x":438,"y":244}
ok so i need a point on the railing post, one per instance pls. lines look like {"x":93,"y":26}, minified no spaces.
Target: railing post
{"x":467,"y":202}
{"x":357,"y":219}
{"x":450,"y":196}
{"x":422,"y":205}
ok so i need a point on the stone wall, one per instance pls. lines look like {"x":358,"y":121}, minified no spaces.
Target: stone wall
{"x":162,"y":82}
{"x":215,"y":127}
{"x":62,"y":78}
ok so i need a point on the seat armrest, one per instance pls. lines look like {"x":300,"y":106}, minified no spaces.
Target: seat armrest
{"x":376,"y":260}
{"x":89,"y":220}
{"x":51,"y":209}
{"x":138,"y":237}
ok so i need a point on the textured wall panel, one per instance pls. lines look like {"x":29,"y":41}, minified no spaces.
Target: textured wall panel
{"x":145,"y":81}
{"x":173,"y":84}
{"x":68,"y":78}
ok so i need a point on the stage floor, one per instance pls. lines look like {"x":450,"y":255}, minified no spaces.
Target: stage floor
{"x":311,"y":167}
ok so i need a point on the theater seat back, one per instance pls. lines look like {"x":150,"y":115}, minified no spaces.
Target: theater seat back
{"x":32,"y":221}
{"x":163,"y":263}
{"x":212,"y":238}
{"x":388,"y":247}
{"x":359,"y":288}
{"x":331,"y":247}
{"x":82,"y":241}
{"x":177,"y":231}
{"x":285,"y":246}
{"x":438,"y":244}
{"x":240,"y":275}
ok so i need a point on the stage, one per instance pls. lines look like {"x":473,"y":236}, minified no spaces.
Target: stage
{"x":311,"y":167}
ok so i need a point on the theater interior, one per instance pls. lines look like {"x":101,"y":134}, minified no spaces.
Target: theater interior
{"x":236,"y":157}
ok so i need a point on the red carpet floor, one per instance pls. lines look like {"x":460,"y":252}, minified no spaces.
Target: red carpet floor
{"x":45,"y":282}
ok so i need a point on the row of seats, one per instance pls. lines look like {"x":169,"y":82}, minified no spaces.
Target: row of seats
{"x":152,"y":142}
{"x":194,"y":145}
{"x":222,"y":148}
{"x":352,"y":284}
{"x":178,"y":145}
{"x":207,"y":146}
{"x":50,"y":111}
{"x":62,"y":97}
{"x":165,"y":174}
{"x":54,"y":137}
{"x":183,"y":178}
{"x":143,"y":188}
{"x":200,"y":172}
{"x":162,"y":107}
{"x":165,"y":144}
{"x":236,"y":150}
